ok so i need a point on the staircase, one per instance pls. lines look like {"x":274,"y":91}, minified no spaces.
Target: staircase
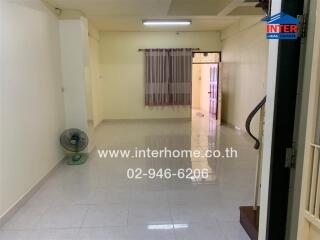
{"x":249,"y":215}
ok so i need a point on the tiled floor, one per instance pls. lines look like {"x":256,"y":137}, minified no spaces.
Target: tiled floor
{"x":97,"y":200}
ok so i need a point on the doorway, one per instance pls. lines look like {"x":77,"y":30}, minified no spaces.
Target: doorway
{"x":206,"y":97}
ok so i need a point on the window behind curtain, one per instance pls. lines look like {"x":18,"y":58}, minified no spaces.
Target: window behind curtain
{"x":168,"y":77}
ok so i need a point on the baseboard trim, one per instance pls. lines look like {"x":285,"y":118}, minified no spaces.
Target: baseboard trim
{"x":138,"y":119}
{"x":91,"y":147}
{"x":239,"y":129}
{"x":18,"y":204}
{"x":145,"y":119}
{"x":233,"y":126}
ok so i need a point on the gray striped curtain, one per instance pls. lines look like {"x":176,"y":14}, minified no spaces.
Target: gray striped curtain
{"x":168,"y":77}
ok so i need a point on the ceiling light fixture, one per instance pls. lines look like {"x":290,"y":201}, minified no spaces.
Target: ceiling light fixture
{"x":167,"y":226}
{"x":166,"y":22}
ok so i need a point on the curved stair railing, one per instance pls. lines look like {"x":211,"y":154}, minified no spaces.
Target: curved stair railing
{"x":249,"y":119}
{"x":257,"y":145}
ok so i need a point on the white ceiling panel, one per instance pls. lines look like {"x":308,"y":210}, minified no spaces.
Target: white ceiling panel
{"x":115,"y":7}
{"x":246,"y":11}
{"x":135,"y":24}
{"x":126,"y":15}
{"x":197,"y":7}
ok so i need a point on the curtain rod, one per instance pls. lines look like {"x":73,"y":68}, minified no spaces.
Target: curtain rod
{"x":146,"y":49}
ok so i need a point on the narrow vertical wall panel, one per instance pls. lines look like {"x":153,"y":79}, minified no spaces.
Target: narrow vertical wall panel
{"x":317,"y":191}
{"x":309,"y":176}
{"x":73,"y":73}
{"x":314,"y":176}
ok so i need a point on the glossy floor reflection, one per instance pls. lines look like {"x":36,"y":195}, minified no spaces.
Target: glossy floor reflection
{"x":97,"y":200}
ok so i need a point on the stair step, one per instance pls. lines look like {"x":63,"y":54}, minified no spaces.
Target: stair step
{"x":249,"y":219}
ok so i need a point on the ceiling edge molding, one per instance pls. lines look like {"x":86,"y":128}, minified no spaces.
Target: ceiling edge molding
{"x":239,"y":26}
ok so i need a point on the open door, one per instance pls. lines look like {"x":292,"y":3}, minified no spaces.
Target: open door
{"x":219,"y":104}
{"x":206,"y":87}
{"x":309,"y":215}
{"x":213,"y":91}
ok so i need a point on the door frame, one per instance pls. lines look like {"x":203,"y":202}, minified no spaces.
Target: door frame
{"x":219,"y":92}
{"x":283,"y":128}
{"x":216,"y":89}
{"x":308,"y":220}
{"x":283,"y":75}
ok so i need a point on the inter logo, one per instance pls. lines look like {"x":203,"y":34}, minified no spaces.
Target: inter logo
{"x":282,"y":26}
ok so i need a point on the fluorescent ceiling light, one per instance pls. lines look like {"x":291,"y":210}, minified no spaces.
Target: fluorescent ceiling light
{"x":166,"y":22}
{"x":167,"y":226}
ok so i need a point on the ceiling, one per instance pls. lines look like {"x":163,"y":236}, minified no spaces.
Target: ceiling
{"x":126,"y":15}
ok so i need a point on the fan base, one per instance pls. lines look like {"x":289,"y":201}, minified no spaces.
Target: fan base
{"x":76,"y":159}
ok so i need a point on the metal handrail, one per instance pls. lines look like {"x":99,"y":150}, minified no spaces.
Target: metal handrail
{"x":249,"y":119}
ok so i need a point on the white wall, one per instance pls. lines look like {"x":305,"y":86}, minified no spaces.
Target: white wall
{"x":95,"y":76}
{"x":74,"y":67}
{"x":122,"y":70}
{"x":32,"y":115}
{"x":205,"y":88}
{"x":76,"y":75}
{"x":201,"y":87}
{"x":244,"y":59}
{"x":196,"y":85}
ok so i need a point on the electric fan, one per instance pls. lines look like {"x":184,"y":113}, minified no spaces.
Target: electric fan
{"x":74,"y":141}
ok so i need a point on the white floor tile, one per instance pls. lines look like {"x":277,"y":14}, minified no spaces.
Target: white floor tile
{"x":111,"y":195}
{"x":147,"y":232}
{"x":27,"y":217}
{"x":203,"y":231}
{"x":55,"y":234}
{"x":97,"y":200}
{"x":144,"y":214}
{"x":106,"y":233}
{"x":233,"y":230}
{"x":190,"y":213}
{"x":149,"y":197}
{"x":106,"y":215}
{"x":15,"y":235}
{"x":63,"y":217}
